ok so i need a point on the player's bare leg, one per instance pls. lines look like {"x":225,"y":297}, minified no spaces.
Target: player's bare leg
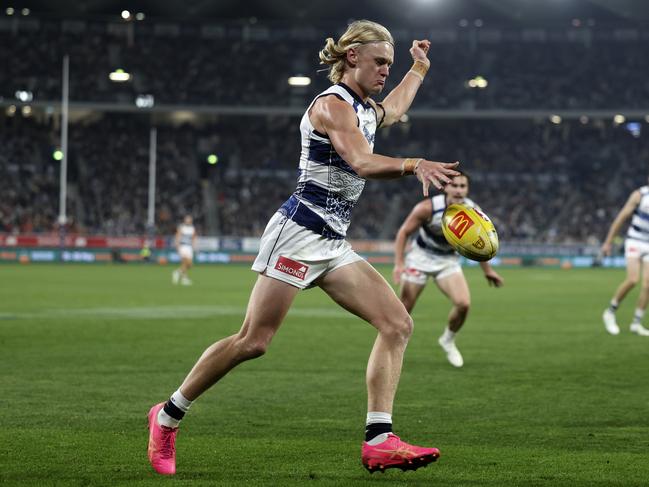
{"x":455,"y":287}
{"x":269,"y":302}
{"x":359,"y":288}
{"x":632,"y":278}
{"x":409,"y":294}
{"x":643,"y":298}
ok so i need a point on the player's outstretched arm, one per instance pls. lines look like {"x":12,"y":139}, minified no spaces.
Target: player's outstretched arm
{"x":398,"y":101}
{"x":624,"y":214}
{"x":419,"y":215}
{"x":337,"y":119}
{"x":493,"y":278}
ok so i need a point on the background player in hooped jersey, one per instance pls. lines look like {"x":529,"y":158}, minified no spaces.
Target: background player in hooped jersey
{"x":304,"y":243}
{"x":185,"y":242}
{"x":636,"y":252}
{"x":432,"y":256}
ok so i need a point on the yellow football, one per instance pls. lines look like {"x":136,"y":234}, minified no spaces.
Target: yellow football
{"x":470,"y":232}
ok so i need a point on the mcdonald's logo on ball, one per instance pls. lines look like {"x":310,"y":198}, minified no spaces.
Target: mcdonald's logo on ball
{"x":470,"y":232}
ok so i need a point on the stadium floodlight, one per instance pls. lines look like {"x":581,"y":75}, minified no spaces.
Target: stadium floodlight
{"x":477,"y":82}
{"x":119,"y":76}
{"x":139,"y":16}
{"x":25,"y":12}
{"x":555,"y":119}
{"x":11,"y":110}
{"x":144,"y":101}
{"x":618,"y":119}
{"x":126,"y":14}
{"x":10,"y":11}
{"x":26,"y":111}
{"x":24,"y":96}
{"x":212,"y":159}
{"x":584,"y":119}
{"x":299,"y":81}
{"x":57,"y":155}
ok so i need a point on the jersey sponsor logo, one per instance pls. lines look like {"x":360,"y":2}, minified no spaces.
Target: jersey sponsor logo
{"x":291,"y":267}
{"x":460,"y":224}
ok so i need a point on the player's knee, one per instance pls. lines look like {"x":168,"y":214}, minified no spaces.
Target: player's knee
{"x":252,"y":347}
{"x":397,"y":328}
{"x":633,"y":280}
{"x":463,"y":305}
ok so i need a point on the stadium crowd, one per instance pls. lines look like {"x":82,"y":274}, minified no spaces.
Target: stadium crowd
{"x":580,"y":68}
{"x":539,"y":181}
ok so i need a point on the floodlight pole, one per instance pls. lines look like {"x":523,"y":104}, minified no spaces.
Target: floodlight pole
{"x":153,"y":142}
{"x":63,"y":177}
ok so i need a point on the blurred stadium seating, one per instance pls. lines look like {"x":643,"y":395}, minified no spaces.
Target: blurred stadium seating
{"x":220,"y":89}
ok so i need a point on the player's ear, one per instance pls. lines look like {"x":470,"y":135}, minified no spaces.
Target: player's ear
{"x":352,"y":57}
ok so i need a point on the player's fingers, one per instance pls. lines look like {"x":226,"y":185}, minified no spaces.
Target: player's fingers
{"x":425,"y":184}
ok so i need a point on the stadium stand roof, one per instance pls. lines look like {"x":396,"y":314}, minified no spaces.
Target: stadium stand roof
{"x":402,"y":12}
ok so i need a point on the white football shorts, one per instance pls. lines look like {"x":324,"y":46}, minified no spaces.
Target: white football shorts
{"x":186,"y":252}
{"x":420,"y":265}
{"x":636,"y":249}
{"x":293,"y":254}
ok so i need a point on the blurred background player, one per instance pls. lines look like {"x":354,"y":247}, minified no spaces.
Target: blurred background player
{"x":304,"y":243}
{"x":185,"y":242}
{"x":432,"y":256}
{"x":636,"y":252}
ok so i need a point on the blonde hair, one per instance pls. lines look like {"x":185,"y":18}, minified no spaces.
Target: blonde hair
{"x":358,"y":33}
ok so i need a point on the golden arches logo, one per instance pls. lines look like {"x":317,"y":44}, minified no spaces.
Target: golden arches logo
{"x":460,"y":224}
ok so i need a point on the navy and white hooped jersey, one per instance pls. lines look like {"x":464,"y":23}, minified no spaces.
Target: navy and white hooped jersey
{"x":431,"y":238}
{"x":186,"y":234}
{"x":639,"y":227}
{"x":328,"y":187}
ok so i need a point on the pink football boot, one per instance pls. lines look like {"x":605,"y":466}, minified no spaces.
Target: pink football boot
{"x":162,"y":444}
{"x":394,"y":453}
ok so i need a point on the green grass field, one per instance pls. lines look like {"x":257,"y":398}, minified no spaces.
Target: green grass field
{"x":546,"y":397}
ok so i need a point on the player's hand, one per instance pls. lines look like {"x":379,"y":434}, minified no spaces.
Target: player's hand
{"x":438,"y":174}
{"x":606,"y":249}
{"x":419,"y":51}
{"x":494,"y":279}
{"x":396,"y":273}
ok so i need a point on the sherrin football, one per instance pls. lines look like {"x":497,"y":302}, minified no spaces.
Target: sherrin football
{"x":470,"y":232}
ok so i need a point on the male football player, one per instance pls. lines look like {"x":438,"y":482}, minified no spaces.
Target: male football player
{"x":185,"y":242}
{"x":431,"y":256}
{"x":636,"y":252}
{"x":304,"y":244}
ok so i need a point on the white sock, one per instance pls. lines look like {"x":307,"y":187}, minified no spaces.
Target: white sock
{"x":181,"y":402}
{"x":378,"y":417}
{"x":638,"y":315}
{"x":448,"y":335}
{"x":165,"y":420}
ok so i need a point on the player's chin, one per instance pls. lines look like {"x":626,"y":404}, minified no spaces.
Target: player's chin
{"x":377,"y":88}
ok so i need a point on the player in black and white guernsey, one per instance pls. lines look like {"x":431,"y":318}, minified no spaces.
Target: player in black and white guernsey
{"x":304,"y":243}
{"x":185,"y":242}
{"x":432,"y":256}
{"x":636,"y":252}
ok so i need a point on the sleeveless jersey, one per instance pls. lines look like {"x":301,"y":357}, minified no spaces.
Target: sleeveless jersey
{"x":639,"y":227}
{"x":328,"y":187}
{"x":431,"y":238}
{"x":186,"y":234}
